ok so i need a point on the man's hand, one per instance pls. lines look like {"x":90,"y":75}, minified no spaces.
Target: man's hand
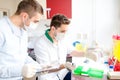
{"x":69,"y":66}
{"x":77,"y":53}
{"x":29,"y":70}
{"x":62,"y":66}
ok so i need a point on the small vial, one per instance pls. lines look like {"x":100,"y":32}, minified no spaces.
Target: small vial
{"x":106,"y":67}
{"x":69,"y":58}
{"x":111,"y":68}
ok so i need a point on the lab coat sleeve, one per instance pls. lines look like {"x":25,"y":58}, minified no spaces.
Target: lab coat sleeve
{"x":1,"y":39}
{"x":41,"y":53}
{"x":62,"y":73}
{"x":30,"y":60}
{"x":10,"y":71}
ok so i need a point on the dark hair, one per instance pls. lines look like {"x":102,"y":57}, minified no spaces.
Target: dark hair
{"x":58,"y":20}
{"x":30,"y":7}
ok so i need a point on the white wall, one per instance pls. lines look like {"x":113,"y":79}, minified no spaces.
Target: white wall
{"x":81,"y":18}
{"x":107,"y":21}
{"x":43,"y":3}
{"x":99,"y":19}
{"x":9,"y":5}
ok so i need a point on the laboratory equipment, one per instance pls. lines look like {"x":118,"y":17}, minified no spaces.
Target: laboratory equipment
{"x":91,"y":72}
{"x":116,"y":46}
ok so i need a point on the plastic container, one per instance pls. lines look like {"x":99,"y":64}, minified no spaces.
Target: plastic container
{"x":80,"y":46}
{"x":117,"y":66}
{"x":95,"y":73}
{"x":90,"y":72}
{"x":78,"y":70}
{"x":116,"y":46}
{"x":111,"y":68}
{"x":106,"y":67}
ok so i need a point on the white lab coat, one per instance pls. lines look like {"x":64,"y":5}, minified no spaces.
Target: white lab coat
{"x":13,"y":50}
{"x":47,"y":53}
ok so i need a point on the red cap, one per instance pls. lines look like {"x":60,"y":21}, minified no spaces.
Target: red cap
{"x":117,"y":37}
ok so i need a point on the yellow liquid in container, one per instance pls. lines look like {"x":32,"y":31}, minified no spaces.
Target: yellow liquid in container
{"x":81,"y":47}
{"x":116,"y":48}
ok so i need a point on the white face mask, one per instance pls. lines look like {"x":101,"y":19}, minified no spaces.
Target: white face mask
{"x":32,"y":26}
{"x":60,"y":36}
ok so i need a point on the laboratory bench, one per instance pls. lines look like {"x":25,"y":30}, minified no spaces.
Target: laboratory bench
{"x":79,"y":77}
{"x":80,"y":60}
{"x":94,"y":65}
{"x":76,"y":77}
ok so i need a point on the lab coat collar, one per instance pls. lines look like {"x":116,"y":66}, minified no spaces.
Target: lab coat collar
{"x":48,"y":36}
{"x":17,"y":31}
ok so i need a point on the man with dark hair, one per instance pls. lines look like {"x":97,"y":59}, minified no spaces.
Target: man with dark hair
{"x":50,"y":50}
{"x":14,"y":59}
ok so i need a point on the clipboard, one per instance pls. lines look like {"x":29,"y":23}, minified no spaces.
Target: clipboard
{"x":49,"y":69}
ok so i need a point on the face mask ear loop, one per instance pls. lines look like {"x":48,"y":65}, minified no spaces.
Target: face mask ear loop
{"x":53,"y":28}
{"x":23,"y":20}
